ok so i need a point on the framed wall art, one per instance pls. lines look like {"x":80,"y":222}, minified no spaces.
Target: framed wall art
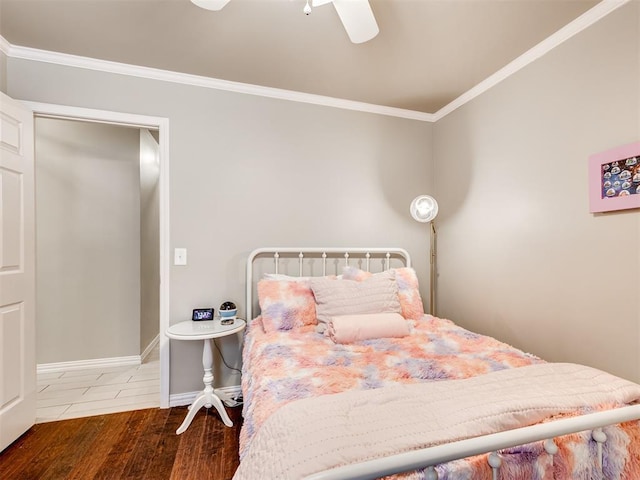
{"x":614,"y":179}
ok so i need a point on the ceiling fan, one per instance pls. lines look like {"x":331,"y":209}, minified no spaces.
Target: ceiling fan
{"x":356,"y":15}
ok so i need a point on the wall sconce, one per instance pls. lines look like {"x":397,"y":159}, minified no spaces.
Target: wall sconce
{"x":424,"y":209}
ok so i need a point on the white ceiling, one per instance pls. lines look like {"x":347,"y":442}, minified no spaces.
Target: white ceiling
{"x":428,"y":52}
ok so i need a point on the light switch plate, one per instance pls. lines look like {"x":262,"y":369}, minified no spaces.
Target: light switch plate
{"x":180,"y":256}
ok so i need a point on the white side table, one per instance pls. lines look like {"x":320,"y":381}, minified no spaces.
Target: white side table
{"x":205,"y":330}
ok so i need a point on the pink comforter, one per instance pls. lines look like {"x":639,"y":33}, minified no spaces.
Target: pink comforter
{"x":321,"y":433}
{"x":284,"y":366}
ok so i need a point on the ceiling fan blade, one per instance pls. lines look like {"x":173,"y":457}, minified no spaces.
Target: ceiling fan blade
{"x":318,"y":3}
{"x":211,"y":4}
{"x":357,"y":18}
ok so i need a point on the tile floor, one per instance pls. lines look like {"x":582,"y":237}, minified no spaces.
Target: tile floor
{"x":83,"y":393}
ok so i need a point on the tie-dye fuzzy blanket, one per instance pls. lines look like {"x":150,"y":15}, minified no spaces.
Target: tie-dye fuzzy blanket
{"x":284,"y":366}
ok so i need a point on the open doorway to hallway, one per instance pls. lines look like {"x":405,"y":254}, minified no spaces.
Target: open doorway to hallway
{"x":97,"y":223}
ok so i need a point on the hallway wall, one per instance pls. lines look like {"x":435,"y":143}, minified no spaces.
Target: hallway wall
{"x":88,"y":241}
{"x":149,"y":239}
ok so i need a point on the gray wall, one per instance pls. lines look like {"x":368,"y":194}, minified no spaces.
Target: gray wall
{"x":249,"y":171}
{"x":88,"y":237}
{"x":520,"y":256}
{"x":149,"y":239}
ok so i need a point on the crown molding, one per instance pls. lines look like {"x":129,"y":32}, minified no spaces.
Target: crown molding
{"x":68,"y":60}
{"x":588,"y":18}
{"x":584,"y":21}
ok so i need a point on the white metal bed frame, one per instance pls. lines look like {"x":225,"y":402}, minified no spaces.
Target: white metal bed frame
{"x":300,"y":254}
{"x":428,"y":458}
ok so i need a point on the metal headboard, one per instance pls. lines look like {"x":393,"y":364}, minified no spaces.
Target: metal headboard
{"x":364,"y":257}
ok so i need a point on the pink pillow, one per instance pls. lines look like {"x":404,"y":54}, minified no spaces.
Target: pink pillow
{"x":286,"y":305}
{"x":408,"y":289}
{"x":348,"y":297}
{"x":354,"y":328}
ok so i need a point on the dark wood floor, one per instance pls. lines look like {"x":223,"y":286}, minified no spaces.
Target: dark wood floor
{"x":140,"y":445}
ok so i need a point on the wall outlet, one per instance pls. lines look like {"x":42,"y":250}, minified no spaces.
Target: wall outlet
{"x":180,"y":256}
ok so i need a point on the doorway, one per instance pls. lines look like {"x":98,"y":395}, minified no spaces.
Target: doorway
{"x":109,"y":342}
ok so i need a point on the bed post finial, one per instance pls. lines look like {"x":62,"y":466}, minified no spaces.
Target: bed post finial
{"x":431,"y":473}
{"x":600,"y":437}
{"x":495,"y":462}
{"x":550,"y":446}
{"x":300,"y":260}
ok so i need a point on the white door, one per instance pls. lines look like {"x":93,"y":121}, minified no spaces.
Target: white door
{"x":17,"y":272}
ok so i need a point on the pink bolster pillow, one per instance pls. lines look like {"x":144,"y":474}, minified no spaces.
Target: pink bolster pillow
{"x":353,"y":328}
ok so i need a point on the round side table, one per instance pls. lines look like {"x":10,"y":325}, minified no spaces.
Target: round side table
{"x":206,"y":331}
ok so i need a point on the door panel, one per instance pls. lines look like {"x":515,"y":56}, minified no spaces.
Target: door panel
{"x":11,"y":191}
{"x":11,"y":322}
{"x":17,"y":272}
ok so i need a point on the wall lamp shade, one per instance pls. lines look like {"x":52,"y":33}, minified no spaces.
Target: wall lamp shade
{"x":424,"y":208}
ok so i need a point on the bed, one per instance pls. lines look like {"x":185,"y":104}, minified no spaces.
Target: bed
{"x":419,"y":398}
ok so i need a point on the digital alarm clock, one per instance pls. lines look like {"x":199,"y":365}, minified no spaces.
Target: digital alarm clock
{"x":202,"y":314}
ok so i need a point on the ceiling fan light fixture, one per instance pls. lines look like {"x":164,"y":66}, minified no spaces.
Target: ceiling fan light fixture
{"x":356,"y":15}
{"x":214,"y":5}
{"x":307,"y":8}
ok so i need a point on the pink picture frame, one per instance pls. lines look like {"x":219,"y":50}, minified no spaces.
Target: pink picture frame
{"x":614,"y":179}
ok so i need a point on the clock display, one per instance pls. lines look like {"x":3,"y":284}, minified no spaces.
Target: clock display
{"x":202,"y":314}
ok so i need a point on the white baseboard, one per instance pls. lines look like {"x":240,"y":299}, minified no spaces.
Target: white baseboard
{"x":99,"y":362}
{"x":87,"y":364}
{"x":181,"y":399}
{"x":150,"y":347}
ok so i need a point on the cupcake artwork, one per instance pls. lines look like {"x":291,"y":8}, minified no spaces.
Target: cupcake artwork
{"x":614,"y":179}
{"x":621,"y":178}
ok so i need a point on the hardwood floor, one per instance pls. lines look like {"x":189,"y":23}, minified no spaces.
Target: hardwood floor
{"x":140,"y":445}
